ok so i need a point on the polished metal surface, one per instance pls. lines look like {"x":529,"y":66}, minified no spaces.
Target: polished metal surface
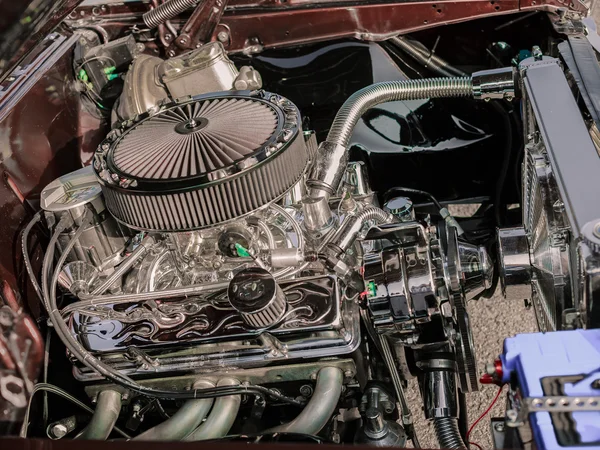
{"x":515,"y":263}
{"x":320,"y":408}
{"x":255,"y":375}
{"x":401,"y":207}
{"x":221,"y":417}
{"x":440,"y":393}
{"x":206,"y":69}
{"x":102,"y":241}
{"x":105,"y":416}
{"x":317,"y":214}
{"x":376,"y":430}
{"x":142,"y":89}
{"x":247,"y":79}
{"x":214,"y":335}
{"x":494,"y":84}
{"x":224,"y":285}
{"x":183,"y":422}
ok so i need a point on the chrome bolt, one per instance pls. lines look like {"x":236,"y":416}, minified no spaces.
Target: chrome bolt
{"x":168,"y":37}
{"x":223,"y":36}
{"x":306,"y":390}
{"x":59,"y":431}
{"x":499,"y":427}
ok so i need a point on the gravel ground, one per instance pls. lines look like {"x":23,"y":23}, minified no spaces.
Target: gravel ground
{"x":492,"y":320}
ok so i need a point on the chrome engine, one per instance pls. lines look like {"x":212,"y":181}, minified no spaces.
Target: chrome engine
{"x":212,"y":239}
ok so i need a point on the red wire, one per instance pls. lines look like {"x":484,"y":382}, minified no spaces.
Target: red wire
{"x":485,"y":413}
{"x":476,"y":445}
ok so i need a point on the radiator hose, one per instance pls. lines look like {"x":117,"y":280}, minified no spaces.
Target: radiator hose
{"x":332,"y":155}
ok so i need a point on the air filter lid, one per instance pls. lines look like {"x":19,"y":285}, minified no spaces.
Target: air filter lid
{"x":202,"y":162}
{"x":199,"y":139}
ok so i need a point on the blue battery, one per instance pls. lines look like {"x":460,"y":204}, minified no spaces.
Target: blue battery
{"x":565,"y":363}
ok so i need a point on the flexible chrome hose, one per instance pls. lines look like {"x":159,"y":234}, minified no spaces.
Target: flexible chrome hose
{"x":166,"y":11}
{"x":389,"y":91}
{"x":332,"y":155}
{"x":348,"y":232}
{"x":105,"y":416}
{"x":448,"y":435}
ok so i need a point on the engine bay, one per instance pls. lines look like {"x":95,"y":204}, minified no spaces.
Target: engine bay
{"x":267,"y":244}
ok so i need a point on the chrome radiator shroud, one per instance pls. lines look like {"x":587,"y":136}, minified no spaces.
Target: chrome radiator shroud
{"x":202,"y":162}
{"x":202,"y":334}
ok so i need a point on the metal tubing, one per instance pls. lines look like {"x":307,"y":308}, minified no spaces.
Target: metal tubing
{"x":183,"y":422}
{"x":25,"y":237}
{"x":105,"y":416}
{"x":426,"y":57}
{"x":332,"y":156}
{"x":140,"y":251}
{"x":346,"y":235}
{"x":221,"y":417}
{"x":321,"y":406}
{"x":166,"y":11}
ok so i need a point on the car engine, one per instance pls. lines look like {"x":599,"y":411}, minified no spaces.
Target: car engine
{"x":234,"y":262}
{"x":211,"y":239}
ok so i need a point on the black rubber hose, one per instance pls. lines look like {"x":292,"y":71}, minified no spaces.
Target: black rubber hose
{"x":448,"y":435}
{"x":506,"y":127}
{"x":404,"y":190}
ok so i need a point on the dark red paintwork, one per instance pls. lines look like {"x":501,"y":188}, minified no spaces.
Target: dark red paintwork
{"x":277,"y":23}
{"x":45,"y":131}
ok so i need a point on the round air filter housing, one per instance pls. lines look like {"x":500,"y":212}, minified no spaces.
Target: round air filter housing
{"x":202,"y":162}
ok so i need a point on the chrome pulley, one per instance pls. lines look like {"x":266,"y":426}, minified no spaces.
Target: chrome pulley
{"x":467,"y":271}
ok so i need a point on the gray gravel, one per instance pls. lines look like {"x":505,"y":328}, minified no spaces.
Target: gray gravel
{"x":492,"y":320}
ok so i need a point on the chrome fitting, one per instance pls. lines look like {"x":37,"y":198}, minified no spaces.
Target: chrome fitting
{"x":495,"y":84}
{"x":515,"y":264}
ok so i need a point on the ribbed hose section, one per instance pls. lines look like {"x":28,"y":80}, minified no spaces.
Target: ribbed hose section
{"x":346,"y":235}
{"x":166,"y":11}
{"x":446,"y":430}
{"x":389,"y":91}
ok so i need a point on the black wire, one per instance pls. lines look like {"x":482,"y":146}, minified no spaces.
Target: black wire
{"x":405,"y":190}
{"x":220,"y":391}
{"x":506,"y":160}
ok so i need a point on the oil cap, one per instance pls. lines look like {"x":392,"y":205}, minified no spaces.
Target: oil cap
{"x":255,"y":294}
{"x":401,"y":207}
